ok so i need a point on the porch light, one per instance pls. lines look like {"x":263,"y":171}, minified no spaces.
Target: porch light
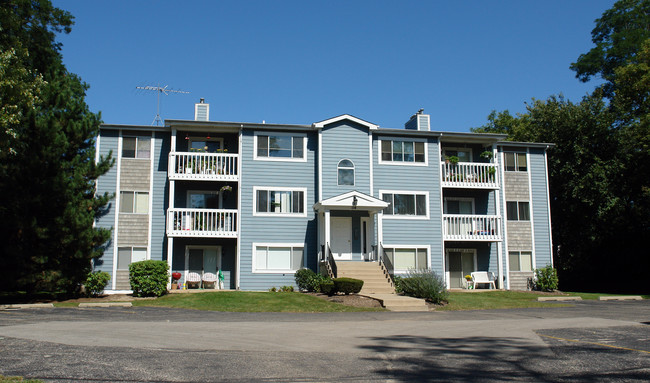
{"x":354,"y":202}
{"x":187,"y":136}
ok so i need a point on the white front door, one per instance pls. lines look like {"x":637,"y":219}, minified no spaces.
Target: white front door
{"x":341,"y":238}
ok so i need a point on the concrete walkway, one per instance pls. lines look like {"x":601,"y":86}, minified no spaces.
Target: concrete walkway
{"x":394,"y":302}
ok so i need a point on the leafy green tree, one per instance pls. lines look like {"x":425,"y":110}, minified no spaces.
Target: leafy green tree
{"x":47,"y":164}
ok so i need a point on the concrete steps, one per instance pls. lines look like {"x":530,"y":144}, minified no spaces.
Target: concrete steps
{"x":374,"y":280}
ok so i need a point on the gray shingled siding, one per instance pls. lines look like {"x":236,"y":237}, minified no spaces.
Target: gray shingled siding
{"x":519,"y":236}
{"x":135,"y":174}
{"x":516,"y":186}
{"x":133,"y":230}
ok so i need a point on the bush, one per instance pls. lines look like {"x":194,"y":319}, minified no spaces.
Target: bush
{"x":398,"y":284}
{"x":347,"y":285}
{"x":307,"y":280}
{"x":424,"y":284}
{"x":327,"y":287}
{"x":546,"y":279}
{"x":149,"y":278}
{"x":96,"y":282}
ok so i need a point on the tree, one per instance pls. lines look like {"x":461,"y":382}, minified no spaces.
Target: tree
{"x":618,"y":35}
{"x":47,"y":166}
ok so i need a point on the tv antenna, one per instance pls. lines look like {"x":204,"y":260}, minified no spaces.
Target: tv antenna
{"x":159,"y":90}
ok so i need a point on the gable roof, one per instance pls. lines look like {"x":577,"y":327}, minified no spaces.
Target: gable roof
{"x":346,"y":201}
{"x":343,"y":117}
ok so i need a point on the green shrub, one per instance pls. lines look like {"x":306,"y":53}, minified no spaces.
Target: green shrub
{"x":398,"y":284}
{"x":149,"y":278}
{"x":327,"y":287}
{"x":273,"y":289}
{"x":546,"y":279}
{"x":286,"y":289}
{"x":348,"y":285}
{"x":309,"y":281}
{"x":424,"y":284}
{"x":96,"y":282}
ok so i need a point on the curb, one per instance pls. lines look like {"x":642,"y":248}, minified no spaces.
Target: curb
{"x":106,"y":304}
{"x":620,"y":298}
{"x":27,"y":306}
{"x":558,"y":299}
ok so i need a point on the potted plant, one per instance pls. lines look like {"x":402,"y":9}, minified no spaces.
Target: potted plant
{"x":452,"y":160}
{"x":486,"y":155}
{"x":175,"y":277}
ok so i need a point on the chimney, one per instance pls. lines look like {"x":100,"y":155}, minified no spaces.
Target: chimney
{"x":201,"y":111}
{"x":418,"y":121}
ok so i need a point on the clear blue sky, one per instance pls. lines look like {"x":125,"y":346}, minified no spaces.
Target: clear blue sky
{"x":299,"y":62}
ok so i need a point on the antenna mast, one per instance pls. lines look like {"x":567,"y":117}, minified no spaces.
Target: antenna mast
{"x":159,"y":89}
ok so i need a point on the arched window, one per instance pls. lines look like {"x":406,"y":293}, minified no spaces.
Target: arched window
{"x":346,"y":172}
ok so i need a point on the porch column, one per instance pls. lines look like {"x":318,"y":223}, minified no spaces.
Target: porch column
{"x":170,"y":256}
{"x":327,"y":231}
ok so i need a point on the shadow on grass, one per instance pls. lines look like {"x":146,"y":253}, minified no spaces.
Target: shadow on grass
{"x":485,"y":359}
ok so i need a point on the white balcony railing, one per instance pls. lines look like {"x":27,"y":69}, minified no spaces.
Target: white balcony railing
{"x":460,"y":227}
{"x":203,"y":166}
{"x":470,"y":174}
{"x":201,"y":223}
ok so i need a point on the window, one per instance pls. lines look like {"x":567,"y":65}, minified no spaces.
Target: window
{"x":280,"y":201}
{"x":516,"y":162}
{"x":280,"y":146}
{"x":402,"y":151}
{"x":128,"y":255}
{"x":405,"y":204}
{"x":203,"y":199}
{"x":213,"y":145}
{"x":134,"y":202}
{"x":407,"y":258}
{"x":346,"y":172}
{"x":459,"y":206}
{"x":518,"y":211}
{"x":278,"y":257}
{"x":463,"y":154}
{"x":136,"y":147}
{"x":521,"y":260}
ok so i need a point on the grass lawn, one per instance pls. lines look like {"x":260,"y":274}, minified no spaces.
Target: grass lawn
{"x":241,"y":301}
{"x":494,"y":300}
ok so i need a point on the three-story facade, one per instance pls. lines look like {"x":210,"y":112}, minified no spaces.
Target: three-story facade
{"x":260,"y":201}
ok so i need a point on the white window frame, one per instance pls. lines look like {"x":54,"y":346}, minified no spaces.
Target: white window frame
{"x":403,"y":163}
{"x":410,"y":247}
{"x":135,"y":193}
{"x":280,"y":189}
{"x":146,"y":254}
{"x":281,"y":159}
{"x":516,"y":159}
{"x":410,"y":192}
{"x":198,"y":139}
{"x":444,"y":152}
{"x":518,"y":218}
{"x":354,"y":172}
{"x":532,"y":265}
{"x":466,"y":199}
{"x":291,"y":245}
{"x":137,"y":139}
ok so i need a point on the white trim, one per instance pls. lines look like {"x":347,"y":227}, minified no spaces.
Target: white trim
{"x":277,"y":244}
{"x":137,"y":138}
{"x":532,"y":265}
{"x":380,"y":161}
{"x":280,"y":188}
{"x":548,"y":205}
{"x":354,"y":172}
{"x":409,"y":246}
{"x":516,"y":161}
{"x":173,"y":140}
{"x":409,"y":192}
{"x":497,"y":195}
{"x":281,"y":159}
{"x":530,"y":207}
{"x":150,"y":230}
{"x":343,"y":117}
{"x":239,"y":210}
{"x":459,"y":250}
{"x":502,"y":169}
{"x":117,"y":208}
{"x":320,"y":165}
{"x":442,"y":220}
{"x":371,"y":162}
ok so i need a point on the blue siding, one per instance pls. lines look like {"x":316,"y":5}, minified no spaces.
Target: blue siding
{"x":160,"y":195}
{"x":413,"y":178}
{"x":345,"y":140}
{"x":108,"y":141}
{"x":256,"y":229}
{"x":540,"y":211}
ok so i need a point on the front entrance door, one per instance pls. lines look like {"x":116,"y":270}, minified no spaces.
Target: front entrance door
{"x":459,"y":265}
{"x":201,"y":260}
{"x":341,"y":238}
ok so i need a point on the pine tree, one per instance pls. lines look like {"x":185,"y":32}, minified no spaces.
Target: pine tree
{"x":48,"y":168}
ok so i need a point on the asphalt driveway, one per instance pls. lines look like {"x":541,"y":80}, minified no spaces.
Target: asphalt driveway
{"x":590,"y":341}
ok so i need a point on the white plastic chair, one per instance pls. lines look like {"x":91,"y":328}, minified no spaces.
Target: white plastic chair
{"x":483,"y":277}
{"x":194,"y":279}
{"x":209,"y":279}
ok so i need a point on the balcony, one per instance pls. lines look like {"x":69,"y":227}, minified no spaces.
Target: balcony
{"x":203,"y":166}
{"x":219,"y":223}
{"x":460,"y":227}
{"x":474,"y":175}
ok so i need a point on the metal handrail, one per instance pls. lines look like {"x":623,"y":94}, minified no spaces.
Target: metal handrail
{"x":387,"y":266}
{"x":331,"y":262}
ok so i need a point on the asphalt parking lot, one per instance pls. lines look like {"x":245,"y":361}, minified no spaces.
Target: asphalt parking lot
{"x":589,"y":341}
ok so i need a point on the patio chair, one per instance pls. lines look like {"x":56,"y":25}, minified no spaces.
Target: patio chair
{"x":193,"y":280}
{"x":484,"y":277}
{"x":209,"y":279}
